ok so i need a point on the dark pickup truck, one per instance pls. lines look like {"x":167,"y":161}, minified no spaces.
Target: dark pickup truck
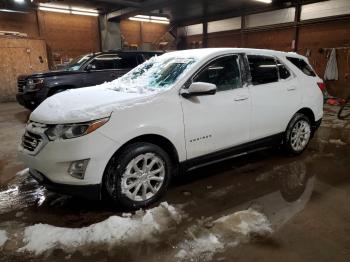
{"x":87,"y":70}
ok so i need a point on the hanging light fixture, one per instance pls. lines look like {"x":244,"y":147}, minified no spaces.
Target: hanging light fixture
{"x":150,"y":19}
{"x":67,"y":9}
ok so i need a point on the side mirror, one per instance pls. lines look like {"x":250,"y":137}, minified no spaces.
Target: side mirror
{"x":89,"y":67}
{"x":199,"y":89}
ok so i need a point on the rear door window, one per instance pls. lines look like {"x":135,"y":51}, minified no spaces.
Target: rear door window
{"x":302,"y":65}
{"x":263,"y":69}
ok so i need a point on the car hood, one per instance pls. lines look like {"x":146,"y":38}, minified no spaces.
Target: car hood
{"x":85,"y":104}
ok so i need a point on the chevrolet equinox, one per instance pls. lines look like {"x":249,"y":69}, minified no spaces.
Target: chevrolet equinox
{"x":125,"y":139}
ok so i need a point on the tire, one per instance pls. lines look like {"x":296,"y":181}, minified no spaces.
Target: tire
{"x":127,"y":170}
{"x":297,"y":135}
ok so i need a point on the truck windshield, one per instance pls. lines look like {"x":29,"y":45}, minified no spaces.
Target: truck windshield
{"x":76,"y":63}
{"x":156,"y":73}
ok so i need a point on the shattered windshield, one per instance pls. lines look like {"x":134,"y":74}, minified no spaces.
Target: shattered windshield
{"x":156,"y":73}
{"x":76,"y":63}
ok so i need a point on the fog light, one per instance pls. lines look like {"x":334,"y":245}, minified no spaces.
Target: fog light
{"x":77,"y":168}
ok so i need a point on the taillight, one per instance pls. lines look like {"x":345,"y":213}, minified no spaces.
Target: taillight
{"x":322,"y":86}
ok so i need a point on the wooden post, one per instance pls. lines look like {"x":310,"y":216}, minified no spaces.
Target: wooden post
{"x":296,"y":25}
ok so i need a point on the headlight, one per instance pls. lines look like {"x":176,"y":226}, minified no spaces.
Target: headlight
{"x":34,"y":84}
{"x":74,"y":130}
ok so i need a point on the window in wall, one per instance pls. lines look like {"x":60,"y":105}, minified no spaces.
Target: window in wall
{"x":302,"y":65}
{"x":263,"y":69}
{"x":223,"y":72}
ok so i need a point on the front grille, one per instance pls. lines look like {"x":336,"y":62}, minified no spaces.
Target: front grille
{"x":20,"y":84}
{"x":34,"y":138}
{"x":30,"y":141}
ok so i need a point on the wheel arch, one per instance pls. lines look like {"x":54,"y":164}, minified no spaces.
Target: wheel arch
{"x":158,"y":140}
{"x":309,"y":113}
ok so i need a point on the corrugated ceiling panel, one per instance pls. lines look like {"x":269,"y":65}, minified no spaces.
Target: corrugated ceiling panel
{"x":196,"y":29}
{"x":224,"y":25}
{"x":270,"y":18}
{"x":325,"y":9}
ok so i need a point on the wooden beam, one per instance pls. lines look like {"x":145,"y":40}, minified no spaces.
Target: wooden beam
{"x":145,"y":6}
{"x":126,"y":3}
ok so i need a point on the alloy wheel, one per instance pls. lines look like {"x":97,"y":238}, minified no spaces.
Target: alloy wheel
{"x":300,"y":135}
{"x":143,"y":177}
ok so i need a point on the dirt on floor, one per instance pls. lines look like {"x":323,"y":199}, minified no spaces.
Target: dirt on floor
{"x":259,"y":207}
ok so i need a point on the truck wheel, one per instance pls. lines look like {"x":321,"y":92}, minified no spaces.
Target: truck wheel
{"x":297,"y":135}
{"x":138,"y":176}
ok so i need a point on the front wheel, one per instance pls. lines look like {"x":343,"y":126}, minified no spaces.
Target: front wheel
{"x":138,"y":176}
{"x":298,"y":134}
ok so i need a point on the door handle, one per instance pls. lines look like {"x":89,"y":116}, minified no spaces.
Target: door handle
{"x":291,"y":88}
{"x":241,"y":98}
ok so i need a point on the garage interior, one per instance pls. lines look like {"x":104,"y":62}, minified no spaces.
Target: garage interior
{"x":305,"y":198}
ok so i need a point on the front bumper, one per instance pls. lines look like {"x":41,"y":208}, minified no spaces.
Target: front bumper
{"x":54,"y":159}
{"x":91,"y":192}
{"x":31,"y":100}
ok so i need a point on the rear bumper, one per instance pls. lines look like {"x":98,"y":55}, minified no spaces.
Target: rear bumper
{"x":317,"y":125}
{"x":91,"y":192}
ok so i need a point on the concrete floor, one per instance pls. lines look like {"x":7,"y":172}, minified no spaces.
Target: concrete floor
{"x":305,"y":198}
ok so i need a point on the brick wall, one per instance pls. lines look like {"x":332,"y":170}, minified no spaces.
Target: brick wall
{"x":137,"y":33}
{"x":65,"y":35}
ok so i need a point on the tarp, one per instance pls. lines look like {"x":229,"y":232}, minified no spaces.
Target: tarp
{"x":331,"y":72}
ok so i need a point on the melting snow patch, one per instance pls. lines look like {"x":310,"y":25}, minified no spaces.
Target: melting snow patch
{"x":226,"y":231}
{"x":337,"y":142}
{"x":247,"y":222}
{"x":3,"y":237}
{"x":204,"y":247}
{"x":23,"y":172}
{"x":114,"y":230}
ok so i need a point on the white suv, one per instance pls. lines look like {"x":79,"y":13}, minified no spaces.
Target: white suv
{"x":125,"y":139}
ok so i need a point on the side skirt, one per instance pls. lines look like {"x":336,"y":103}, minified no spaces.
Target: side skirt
{"x":232,"y":152}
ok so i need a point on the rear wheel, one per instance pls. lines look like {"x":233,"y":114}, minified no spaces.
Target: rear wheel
{"x":138,"y":176}
{"x":298,"y":134}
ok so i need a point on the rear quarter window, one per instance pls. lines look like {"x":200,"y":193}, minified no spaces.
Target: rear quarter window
{"x":302,"y":65}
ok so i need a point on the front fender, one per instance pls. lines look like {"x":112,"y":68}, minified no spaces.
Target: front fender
{"x":161,"y":117}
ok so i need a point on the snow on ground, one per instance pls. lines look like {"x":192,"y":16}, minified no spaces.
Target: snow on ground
{"x":337,"y":142}
{"x":3,"y":237}
{"x":23,"y":172}
{"x":246,"y":222}
{"x":226,"y":231}
{"x":203,"y":247}
{"x":114,"y":230}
